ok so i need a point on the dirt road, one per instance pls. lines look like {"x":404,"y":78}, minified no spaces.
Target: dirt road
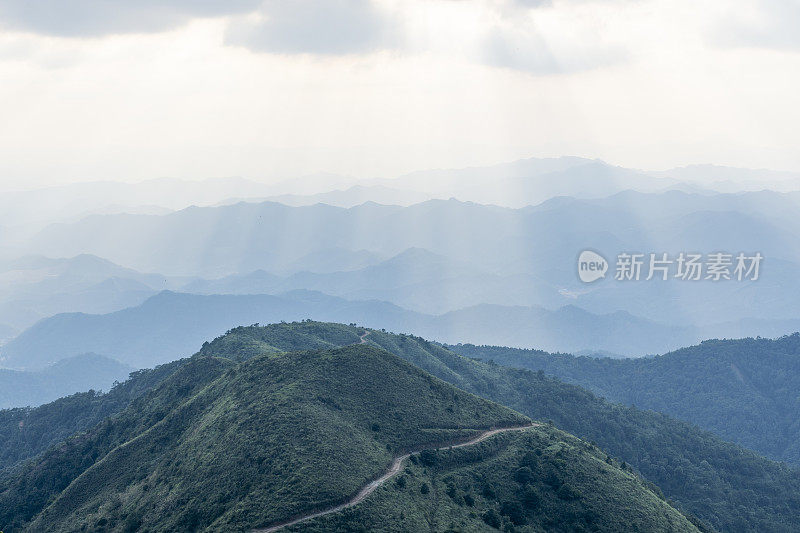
{"x":394,"y":469}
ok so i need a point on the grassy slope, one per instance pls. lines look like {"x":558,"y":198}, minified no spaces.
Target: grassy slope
{"x":734,"y":489}
{"x":730,"y":487}
{"x":540,"y":480}
{"x":229,"y":447}
{"x":30,"y":486}
{"x":27,"y":432}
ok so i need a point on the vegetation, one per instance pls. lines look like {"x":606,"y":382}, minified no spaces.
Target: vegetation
{"x":29,"y":431}
{"x":747,"y":391}
{"x":538,"y":480}
{"x":727,"y":486}
{"x":226,"y":446}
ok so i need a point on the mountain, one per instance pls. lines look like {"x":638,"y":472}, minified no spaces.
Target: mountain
{"x":731,"y":179}
{"x":6,"y":333}
{"x":202,"y":465}
{"x":416,"y":279}
{"x":448,"y":180}
{"x":353,"y":196}
{"x":524,"y":181}
{"x":569,"y":486}
{"x":743,"y":390}
{"x":29,"y":431}
{"x":33,"y":287}
{"x":594,"y":179}
{"x":170,"y":325}
{"x":31,"y":209}
{"x":730,"y":487}
{"x":726,"y":485}
{"x":67,"y":376}
{"x":326,"y":260}
{"x":524,"y":257}
{"x":529,"y":181}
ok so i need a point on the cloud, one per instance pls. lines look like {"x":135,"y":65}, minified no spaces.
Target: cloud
{"x":533,"y":3}
{"x":526,"y":52}
{"x":771,"y":24}
{"x":531,"y":53}
{"x":323,"y":27}
{"x":534,"y":37}
{"x":96,"y":18}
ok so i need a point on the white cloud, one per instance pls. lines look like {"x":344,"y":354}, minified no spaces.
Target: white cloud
{"x":635,"y":83}
{"x":321,"y":27}
{"x":550,"y":40}
{"x":94,"y":18}
{"x":768,"y":24}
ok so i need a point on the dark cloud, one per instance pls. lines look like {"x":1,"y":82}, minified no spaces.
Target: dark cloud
{"x":93,"y":18}
{"x":324,"y":27}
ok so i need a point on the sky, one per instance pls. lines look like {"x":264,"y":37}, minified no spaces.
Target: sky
{"x":268,"y":89}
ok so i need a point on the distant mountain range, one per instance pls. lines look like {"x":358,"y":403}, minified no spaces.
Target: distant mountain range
{"x":514,"y":184}
{"x":6,"y":333}
{"x":172,"y":325}
{"x":350,"y":197}
{"x":34,"y":287}
{"x":440,"y":256}
{"x":74,"y":374}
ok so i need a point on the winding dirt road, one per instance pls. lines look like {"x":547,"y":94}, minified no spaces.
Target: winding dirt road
{"x":363,"y":337}
{"x":395,"y":468}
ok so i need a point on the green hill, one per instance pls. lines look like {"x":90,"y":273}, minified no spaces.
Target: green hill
{"x":541,"y":480}
{"x":237,"y":446}
{"x":730,"y":487}
{"x":227,"y":445}
{"x":746,"y":390}
{"x":29,"y":431}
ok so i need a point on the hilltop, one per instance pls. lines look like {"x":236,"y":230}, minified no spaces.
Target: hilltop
{"x":727,"y":486}
{"x":262,"y":435}
{"x":703,"y":474}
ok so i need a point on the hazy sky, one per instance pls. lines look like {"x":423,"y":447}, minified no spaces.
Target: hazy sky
{"x":130,"y":90}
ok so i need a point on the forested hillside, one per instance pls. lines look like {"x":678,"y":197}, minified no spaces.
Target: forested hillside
{"x":29,"y":431}
{"x":227,"y":445}
{"x":541,"y":480}
{"x":705,"y":475}
{"x":747,"y":391}
{"x":730,"y":487}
